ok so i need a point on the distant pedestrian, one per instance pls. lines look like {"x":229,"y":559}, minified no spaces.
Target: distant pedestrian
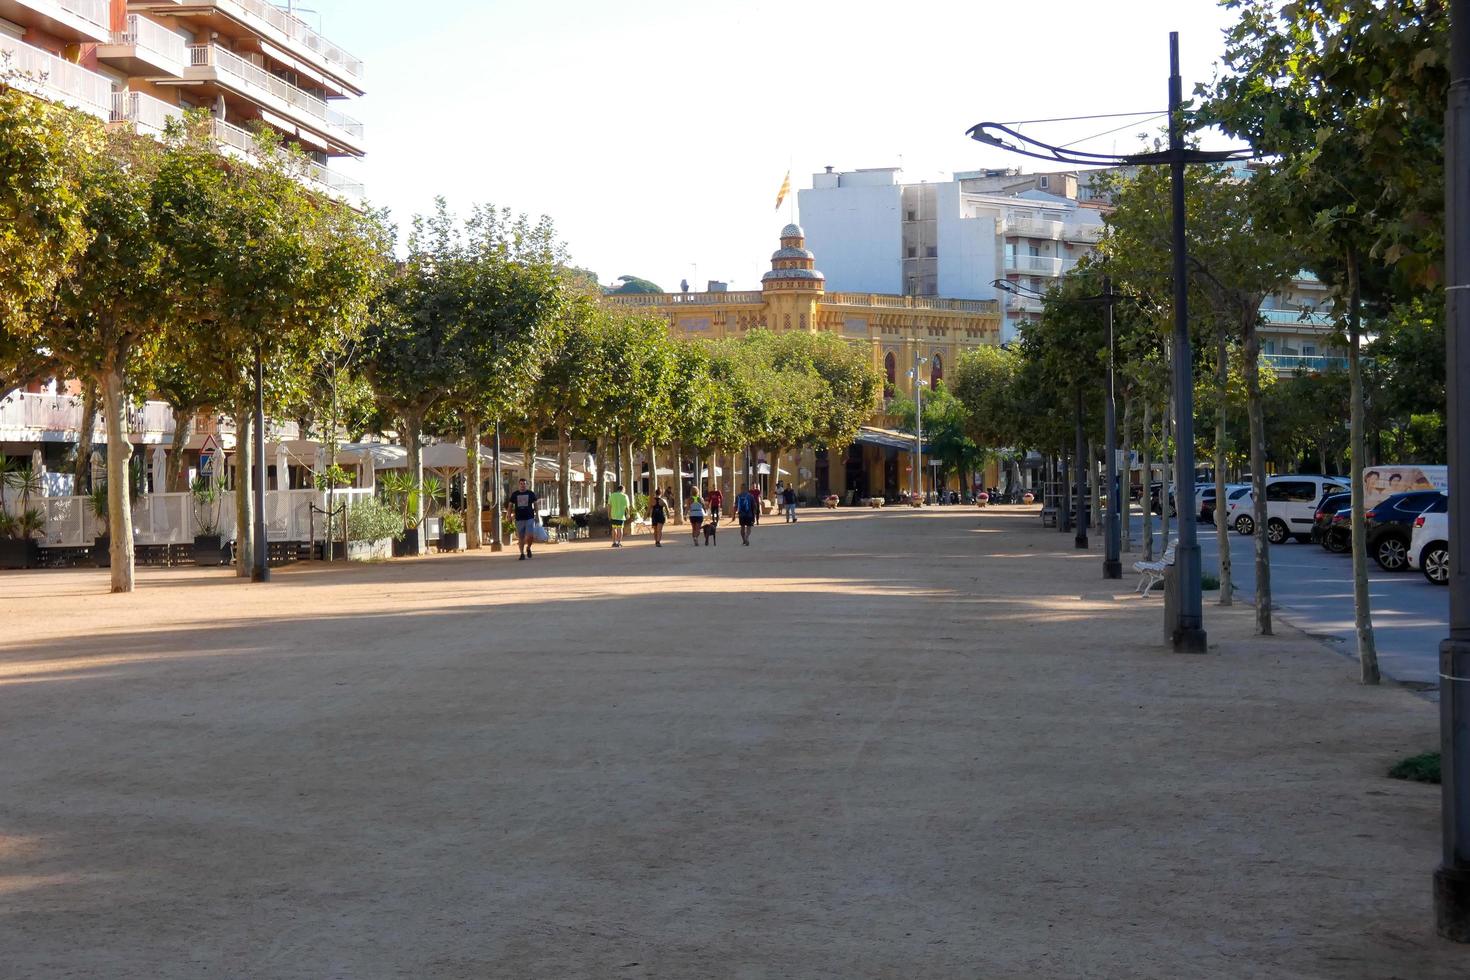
{"x":788,"y":497}
{"x":747,"y":505}
{"x":617,"y":512}
{"x":755,"y":491}
{"x":696,"y":515}
{"x":523,"y":503}
{"x":658,"y":515}
{"x":716,"y":503}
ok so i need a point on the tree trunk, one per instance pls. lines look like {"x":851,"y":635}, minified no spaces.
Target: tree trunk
{"x":599,"y":460}
{"x":1362,"y":613}
{"x":474,"y":482}
{"x":652,"y":473}
{"x":1148,"y":479}
{"x":1125,"y":482}
{"x":1168,"y":453}
{"x":564,"y":474}
{"x":119,"y":500}
{"x":244,"y":498}
{"x":412,"y":427}
{"x":174,"y":481}
{"x":1255,"y":414}
{"x":678,"y":483}
{"x":83,"y":471}
{"x":1222,"y":533}
{"x":1094,"y":485}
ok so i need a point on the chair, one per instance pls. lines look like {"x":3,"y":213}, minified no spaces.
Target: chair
{"x":1151,"y":573}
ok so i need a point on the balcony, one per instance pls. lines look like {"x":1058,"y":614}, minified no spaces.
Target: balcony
{"x":69,"y":20}
{"x":1017,"y":303}
{"x":145,"y":113}
{"x":1031,"y":228}
{"x":145,"y":50}
{"x":1295,"y":318}
{"x":1082,"y":232}
{"x":56,"y":79}
{"x":212,"y":63}
{"x":238,"y":142}
{"x":274,"y":25}
{"x":1038,"y":265}
{"x":1305,"y":363}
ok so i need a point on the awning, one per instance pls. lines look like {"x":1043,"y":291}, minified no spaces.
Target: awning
{"x":871,"y":435}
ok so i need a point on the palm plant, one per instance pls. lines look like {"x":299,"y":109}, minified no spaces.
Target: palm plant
{"x":206,"y":506}
{"x":28,"y":524}
{"x":25,"y":481}
{"x":98,"y":500}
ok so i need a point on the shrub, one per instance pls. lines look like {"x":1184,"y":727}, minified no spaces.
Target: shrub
{"x":599,"y":518}
{"x":372,"y":519}
{"x":1208,"y":582}
{"x":453,"y":523}
{"x":1423,"y":768}
{"x":560,"y":522}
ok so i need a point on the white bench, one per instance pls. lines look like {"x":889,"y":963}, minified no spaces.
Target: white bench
{"x":1151,"y":573}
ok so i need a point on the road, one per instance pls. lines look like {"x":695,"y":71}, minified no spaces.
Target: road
{"x":1313,"y":590}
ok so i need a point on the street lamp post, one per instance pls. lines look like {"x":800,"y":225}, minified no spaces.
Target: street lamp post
{"x":916,"y":481}
{"x":1452,"y":877}
{"x":260,"y":568}
{"x":1188,"y":633}
{"x":1112,"y":545}
{"x":1079,"y":481}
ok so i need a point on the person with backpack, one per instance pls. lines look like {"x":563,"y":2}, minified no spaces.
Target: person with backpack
{"x":747,"y":505}
{"x":696,"y":515}
{"x":658,"y":515}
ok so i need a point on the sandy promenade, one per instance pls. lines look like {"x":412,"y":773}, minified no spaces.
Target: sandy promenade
{"x":873,"y":744}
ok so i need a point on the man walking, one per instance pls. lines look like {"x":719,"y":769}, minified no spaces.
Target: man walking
{"x":746,"y":506}
{"x":617,"y":512}
{"x":716,"y":501}
{"x":523,"y":502}
{"x":788,"y":497}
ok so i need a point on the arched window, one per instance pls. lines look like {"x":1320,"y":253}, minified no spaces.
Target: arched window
{"x":890,"y":373}
{"x":936,"y":372}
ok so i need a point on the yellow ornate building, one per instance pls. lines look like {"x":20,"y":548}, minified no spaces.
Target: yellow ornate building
{"x":898,"y":331}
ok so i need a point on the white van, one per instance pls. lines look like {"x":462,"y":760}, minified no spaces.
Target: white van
{"x":1291,"y":506}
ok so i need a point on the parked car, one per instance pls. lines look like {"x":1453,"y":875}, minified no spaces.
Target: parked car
{"x":1429,"y":546}
{"x":1324,"y":521}
{"x":1154,"y":491}
{"x":1291,"y":506}
{"x":1206,"y":497}
{"x":1390,"y":527}
{"x":1238,"y":502}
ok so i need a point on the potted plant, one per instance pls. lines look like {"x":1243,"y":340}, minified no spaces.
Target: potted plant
{"x":18,"y":546}
{"x":372,"y":527}
{"x":452,"y":537}
{"x":209,"y":548}
{"x":102,"y":543}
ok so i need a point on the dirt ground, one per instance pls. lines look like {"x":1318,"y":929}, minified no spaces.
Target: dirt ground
{"x":873,"y":744}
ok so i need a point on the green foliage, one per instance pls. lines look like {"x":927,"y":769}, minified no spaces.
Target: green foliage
{"x":206,"y":496}
{"x":332,"y":476}
{"x":372,"y":519}
{"x":454,"y":523}
{"x":1422,"y":768}
{"x":632,"y":284}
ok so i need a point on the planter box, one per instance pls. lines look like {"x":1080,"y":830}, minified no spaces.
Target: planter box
{"x":370,"y":550}
{"x":209,"y":549}
{"x":102,"y":551}
{"x":453,"y":542}
{"x":409,"y":545}
{"x":24,"y":553}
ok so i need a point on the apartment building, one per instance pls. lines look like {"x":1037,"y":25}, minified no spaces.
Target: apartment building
{"x":248,"y":62}
{"x":952,"y":238}
{"x":141,"y":64}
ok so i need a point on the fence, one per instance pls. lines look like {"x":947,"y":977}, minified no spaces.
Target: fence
{"x":173,"y":518}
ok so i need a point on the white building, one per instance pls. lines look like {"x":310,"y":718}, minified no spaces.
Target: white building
{"x":951,"y":238}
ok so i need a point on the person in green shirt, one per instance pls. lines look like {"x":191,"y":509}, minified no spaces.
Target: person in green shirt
{"x":617,"y":512}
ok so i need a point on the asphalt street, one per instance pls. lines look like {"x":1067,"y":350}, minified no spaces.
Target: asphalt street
{"x":1312,"y":589}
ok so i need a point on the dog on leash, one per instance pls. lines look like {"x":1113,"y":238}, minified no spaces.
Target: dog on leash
{"x":710,"y":528}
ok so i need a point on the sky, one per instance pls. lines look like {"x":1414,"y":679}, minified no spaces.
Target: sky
{"x":656,"y":134}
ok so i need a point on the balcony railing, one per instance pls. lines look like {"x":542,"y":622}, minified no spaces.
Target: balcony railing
{"x":1313,"y":319}
{"x":1082,"y":232}
{"x":1032,"y":228}
{"x":1290,"y":363}
{"x":26,"y":416}
{"x":889,"y":301}
{"x":55,"y":79}
{"x":147,"y":114}
{"x":1038,"y":265}
{"x":239,"y":142}
{"x":259,"y":83}
{"x":296,"y":30}
{"x":94,"y":12}
{"x":154,"y":38}
{"x":1023,"y":304}
{"x":750,"y":296}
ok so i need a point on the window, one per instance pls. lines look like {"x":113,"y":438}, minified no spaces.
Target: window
{"x":1439,"y":505}
{"x":931,"y":252}
{"x":890,"y":373}
{"x":1043,"y":182}
{"x":1309,"y":350}
{"x":1292,"y":491}
{"x":936,"y":372}
{"x":911,"y":215}
{"x":912,"y":252}
{"x":1035,"y":251}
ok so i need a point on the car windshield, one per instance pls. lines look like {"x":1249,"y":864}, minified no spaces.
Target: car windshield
{"x":1236,"y":495}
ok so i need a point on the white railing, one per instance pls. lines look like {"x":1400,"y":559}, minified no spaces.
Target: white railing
{"x":688,"y":299}
{"x":22,"y":412}
{"x":55,"y":79}
{"x":1041,"y":265}
{"x":146,"y":34}
{"x":1294,"y":317}
{"x":148,"y":114}
{"x":1290,"y":363}
{"x":294,"y":29}
{"x":233,"y":139}
{"x":256,"y":81}
{"x":1025,"y":304}
{"x":92,"y":11}
{"x":1031,"y":228}
{"x":888,"y":301}
{"x":1082,"y":232}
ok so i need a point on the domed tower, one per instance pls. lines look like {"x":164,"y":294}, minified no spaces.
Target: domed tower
{"x":793,"y":286}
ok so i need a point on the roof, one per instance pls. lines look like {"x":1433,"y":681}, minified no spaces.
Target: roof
{"x":792,"y":231}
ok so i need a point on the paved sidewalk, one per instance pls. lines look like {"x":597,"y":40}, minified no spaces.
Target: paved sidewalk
{"x":873,"y":744}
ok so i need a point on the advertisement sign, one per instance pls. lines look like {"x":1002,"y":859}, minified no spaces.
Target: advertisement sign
{"x":1380,"y":482}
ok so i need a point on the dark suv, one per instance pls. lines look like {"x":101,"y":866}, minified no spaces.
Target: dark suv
{"x":1324,"y":532}
{"x":1389,"y":526}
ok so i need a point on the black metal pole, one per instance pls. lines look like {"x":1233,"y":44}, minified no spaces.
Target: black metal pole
{"x":260,"y":569}
{"x":1064,"y":493}
{"x":1189,"y":636}
{"x":497,"y":540}
{"x":1112,"y":531}
{"x":1452,"y":878}
{"x":1079,"y":479}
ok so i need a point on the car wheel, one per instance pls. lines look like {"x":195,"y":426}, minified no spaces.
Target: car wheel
{"x":1392,"y":554}
{"x":1435,"y":562}
{"x":1245,"y":524}
{"x":1276,"y":531}
{"x":1336,"y":542}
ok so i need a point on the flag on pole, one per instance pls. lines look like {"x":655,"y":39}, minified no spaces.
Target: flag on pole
{"x":785,"y":189}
